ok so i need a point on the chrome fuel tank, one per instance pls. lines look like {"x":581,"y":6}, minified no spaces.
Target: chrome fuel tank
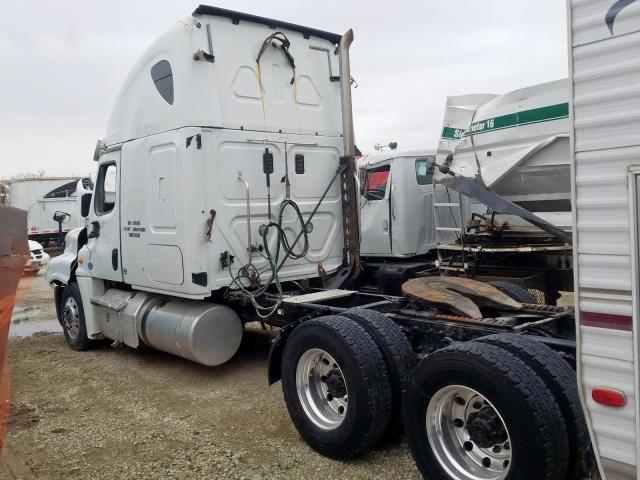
{"x":206,"y":333}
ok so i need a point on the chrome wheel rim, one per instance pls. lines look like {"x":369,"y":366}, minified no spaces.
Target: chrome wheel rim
{"x":322,"y":389}
{"x":468,"y":435}
{"x":71,"y":317}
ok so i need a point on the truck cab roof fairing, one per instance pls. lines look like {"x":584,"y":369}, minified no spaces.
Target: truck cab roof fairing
{"x":228,"y":93}
{"x":239,"y":16}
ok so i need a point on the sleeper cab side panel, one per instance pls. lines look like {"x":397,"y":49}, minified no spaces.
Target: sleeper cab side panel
{"x":162,"y":207}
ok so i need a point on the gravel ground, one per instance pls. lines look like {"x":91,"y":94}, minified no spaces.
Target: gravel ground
{"x":119,"y":413}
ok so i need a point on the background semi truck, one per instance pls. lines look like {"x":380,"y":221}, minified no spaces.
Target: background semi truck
{"x":226,"y":194}
{"x":517,"y":146}
{"x":42,"y":197}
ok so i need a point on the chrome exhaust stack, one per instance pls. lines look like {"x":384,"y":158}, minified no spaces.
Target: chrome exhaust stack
{"x":350,"y":214}
{"x":345,"y":94}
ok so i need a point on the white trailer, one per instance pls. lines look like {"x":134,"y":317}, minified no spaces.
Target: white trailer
{"x":604,"y":41}
{"x":42,"y":198}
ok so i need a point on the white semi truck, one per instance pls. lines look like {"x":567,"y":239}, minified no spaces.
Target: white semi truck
{"x":226,"y":194}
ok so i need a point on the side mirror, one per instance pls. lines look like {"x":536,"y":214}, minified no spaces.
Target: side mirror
{"x":362,"y":180}
{"x":85,"y":204}
{"x":61,"y":217}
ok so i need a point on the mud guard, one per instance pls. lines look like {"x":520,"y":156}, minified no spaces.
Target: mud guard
{"x":57,"y":297}
{"x":274,"y":369}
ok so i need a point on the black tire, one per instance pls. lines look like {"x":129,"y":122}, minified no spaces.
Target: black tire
{"x":514,"y":291}
{"x":561,"y":380}
{"x":76,"y":337}
{"x":367,"y":384}
{"x":538,"y":443}
{"x":398,"y":356}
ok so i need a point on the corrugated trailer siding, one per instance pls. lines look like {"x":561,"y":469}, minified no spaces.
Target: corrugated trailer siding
{"x":606,"y":122}
{"x":588,"y":21}
{"x":602,"y":200}
{"x":605,"y":100}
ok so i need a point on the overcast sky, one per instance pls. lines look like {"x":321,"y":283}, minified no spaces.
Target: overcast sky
{"x":63,"y":62}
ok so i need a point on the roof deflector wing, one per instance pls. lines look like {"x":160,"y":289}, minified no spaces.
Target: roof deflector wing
{"x":238,"y":16}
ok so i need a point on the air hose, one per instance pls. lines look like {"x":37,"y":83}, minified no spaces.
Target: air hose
{"x":282,"y":243}
{"x":274,"y":261}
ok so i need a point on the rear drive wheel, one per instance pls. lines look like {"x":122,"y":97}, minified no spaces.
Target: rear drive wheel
{"x":477,"y":412}
{"x":336,"y":386}
{"x":72,"y":316}
{"x":398,"y":356}
{"x":560,"y":378}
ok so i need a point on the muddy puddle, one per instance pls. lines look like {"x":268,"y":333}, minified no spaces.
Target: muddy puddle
{"x":27,"y":328}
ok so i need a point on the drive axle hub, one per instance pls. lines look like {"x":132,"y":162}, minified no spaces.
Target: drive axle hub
{"x":335,"y":384}
{"x":485,"y":428}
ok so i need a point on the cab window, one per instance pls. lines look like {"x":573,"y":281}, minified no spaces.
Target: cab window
{"x":375,"y":182}
{"x":106,"y":189}
{"x":424,"y":170}
{"x":162,"y":77}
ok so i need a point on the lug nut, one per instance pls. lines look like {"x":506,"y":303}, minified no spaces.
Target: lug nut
{"x":458,"y":423}
{"x":468,"y":446}
{"x":486,"y":462}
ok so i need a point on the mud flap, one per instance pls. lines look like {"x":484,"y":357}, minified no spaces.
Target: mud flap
{"x":57,"y":298}
{"x":340,"y":278}
{"x":274,"y":370}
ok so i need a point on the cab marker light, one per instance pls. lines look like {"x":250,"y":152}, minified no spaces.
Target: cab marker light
{"x":608,"y":397}
{"x":80,"y":260}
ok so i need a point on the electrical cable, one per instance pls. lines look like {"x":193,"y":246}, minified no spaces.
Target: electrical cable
{"x":282,"y":243}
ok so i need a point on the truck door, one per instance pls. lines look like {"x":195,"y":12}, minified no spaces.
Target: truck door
{"x":103,"y":228}
{"x":426,"y":239}
{"x":375,"y":210}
